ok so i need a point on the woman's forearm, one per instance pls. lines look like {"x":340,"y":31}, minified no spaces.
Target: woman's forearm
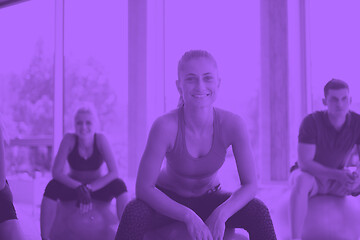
{"x":102,"y":181}
{"x":68,"y":181}
{"x":237,"y":200}
{"x":161,"y":203}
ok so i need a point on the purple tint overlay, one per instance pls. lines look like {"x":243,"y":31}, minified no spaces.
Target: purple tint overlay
{"x":231,"y":31}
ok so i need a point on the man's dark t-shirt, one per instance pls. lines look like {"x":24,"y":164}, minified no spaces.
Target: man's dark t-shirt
{"x":333,"y":147}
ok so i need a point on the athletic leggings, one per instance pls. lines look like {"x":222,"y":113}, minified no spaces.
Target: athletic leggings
{"x":138,"y":217}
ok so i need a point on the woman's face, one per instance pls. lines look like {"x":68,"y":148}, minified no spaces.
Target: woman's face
{"x":84,"y":124}
{"x":199,"y":82}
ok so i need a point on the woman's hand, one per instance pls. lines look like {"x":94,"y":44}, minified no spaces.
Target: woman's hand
{"x":197,"y":228}
{"x":83,"y":198}
{"x":216,"y":224}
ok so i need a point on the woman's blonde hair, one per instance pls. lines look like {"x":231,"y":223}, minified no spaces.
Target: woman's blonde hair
{"x":189,"y":55}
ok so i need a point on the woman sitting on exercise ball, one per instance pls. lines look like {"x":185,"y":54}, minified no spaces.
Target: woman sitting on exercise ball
{"x":85,"y":151}
{"x":194,"y":139}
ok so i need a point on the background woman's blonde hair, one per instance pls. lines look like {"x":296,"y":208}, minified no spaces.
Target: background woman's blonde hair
{"x":189,"y":55}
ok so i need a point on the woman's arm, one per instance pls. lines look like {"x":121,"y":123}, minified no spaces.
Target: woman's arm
{"x":158,"y":142}
{"x":2,"y":161}
{"x":237,"y":132}
{"x":106,"y":152}
{"x":59,"y":163}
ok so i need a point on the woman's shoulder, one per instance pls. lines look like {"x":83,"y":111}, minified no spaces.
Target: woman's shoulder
{"x":232,"y":126}
{"x":168,"y":120}
{"x":101,"y":139}
{"x":228,"y":118}
{"x":69,"y":139}
{"x":165,"y":126}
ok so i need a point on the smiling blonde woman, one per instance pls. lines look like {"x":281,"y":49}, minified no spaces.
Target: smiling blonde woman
{"x":85,"y":151}
{"x":194,"y":139}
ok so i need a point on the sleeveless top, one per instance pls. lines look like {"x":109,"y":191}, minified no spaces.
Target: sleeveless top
{"x":180,"y":160}
{"x":79,"y":163}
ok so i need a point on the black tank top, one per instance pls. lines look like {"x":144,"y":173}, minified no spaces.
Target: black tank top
{"x":79,"y":163}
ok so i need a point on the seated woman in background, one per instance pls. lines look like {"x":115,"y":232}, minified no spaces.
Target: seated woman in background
{"x":85,"y":150}
{"x":194,"y":139}
{"x":9,"y":226}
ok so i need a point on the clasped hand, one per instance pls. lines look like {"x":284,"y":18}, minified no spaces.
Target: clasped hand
{"x":349,"y":180}
{"x":212,"y":229}
{"x":84,"y":202}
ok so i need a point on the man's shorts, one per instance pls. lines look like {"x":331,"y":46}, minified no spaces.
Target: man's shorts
{"x":322,"y":185}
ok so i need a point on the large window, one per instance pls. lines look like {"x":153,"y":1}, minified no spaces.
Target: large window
{"x":26,"y":85}
{"x":223,"y":29}
{"x":333,"y":46}
{"x":95,"y":51}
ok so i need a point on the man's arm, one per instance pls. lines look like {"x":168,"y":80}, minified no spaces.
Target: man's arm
{"x":306,"y":154}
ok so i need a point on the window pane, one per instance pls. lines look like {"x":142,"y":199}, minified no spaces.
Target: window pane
{"x":26,"y":84}
{"x":334,"y":49}
{"x":223,"y":29}
{"x":96,"y":67}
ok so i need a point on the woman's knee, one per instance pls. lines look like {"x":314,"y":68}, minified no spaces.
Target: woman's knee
{"x":258,"y":209}
{"x":252,"y":214}
{"x":258,"y":222}
{"x":52,"y":190}
{"x":136,"y":211}
{"x":119,"y":186}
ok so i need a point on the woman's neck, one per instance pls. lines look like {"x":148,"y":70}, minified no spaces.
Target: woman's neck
{"x":198,"y":120}
{"x":86,"y":142}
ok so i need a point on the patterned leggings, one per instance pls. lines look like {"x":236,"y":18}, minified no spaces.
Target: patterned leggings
{"x":138,"y":217}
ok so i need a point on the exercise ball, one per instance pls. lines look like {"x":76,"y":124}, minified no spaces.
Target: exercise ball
{"x":332,"y":218}
{"x":178,"y":231}
{"x":71,"y":224}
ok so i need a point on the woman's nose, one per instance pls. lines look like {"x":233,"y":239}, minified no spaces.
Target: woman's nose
{"x":200,"y":84}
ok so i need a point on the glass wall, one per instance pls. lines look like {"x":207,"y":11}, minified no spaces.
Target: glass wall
{"x":223,"y":29}
{"x":333,"y":46}
{"x":95,"y":51}
{"x":26,"y":85}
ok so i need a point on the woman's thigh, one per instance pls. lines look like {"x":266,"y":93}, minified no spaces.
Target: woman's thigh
{"x":112,"y":190}
{"x":56,"y":190}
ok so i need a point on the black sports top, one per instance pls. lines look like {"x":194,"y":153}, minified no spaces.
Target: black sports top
{"x":79,"y":163}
